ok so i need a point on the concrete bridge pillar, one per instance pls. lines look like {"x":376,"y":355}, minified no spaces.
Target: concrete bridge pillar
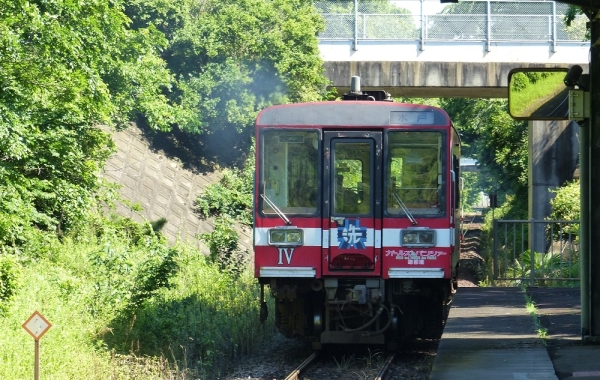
{"x":553,"y":156}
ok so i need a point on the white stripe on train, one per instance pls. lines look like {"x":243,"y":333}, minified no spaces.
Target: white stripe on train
{"x":317,"y":237}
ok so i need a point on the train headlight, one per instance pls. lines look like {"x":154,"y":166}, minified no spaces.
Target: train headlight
{"x":417,"y":238}
{"x":288,"y":237}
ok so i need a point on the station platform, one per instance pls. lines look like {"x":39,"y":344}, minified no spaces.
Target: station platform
{"x":490,"y":335}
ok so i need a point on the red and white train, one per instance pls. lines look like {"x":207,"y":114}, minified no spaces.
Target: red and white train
{"x":356,"y":220}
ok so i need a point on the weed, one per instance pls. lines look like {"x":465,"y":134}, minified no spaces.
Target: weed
{"x":373,"y":359}
{"x":345,"y":363}
{"x":541,"y":331}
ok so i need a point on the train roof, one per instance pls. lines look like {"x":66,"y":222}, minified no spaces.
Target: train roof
{"x":352,"y":113}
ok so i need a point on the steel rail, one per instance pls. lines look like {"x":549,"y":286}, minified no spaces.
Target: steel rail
{"x":295,"y":374}
{"x":386,"y":366}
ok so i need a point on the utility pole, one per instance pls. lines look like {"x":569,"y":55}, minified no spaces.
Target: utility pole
{"x":590,"y":290}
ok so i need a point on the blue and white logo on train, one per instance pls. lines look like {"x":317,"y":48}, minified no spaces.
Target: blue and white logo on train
{"x":352,"y":235}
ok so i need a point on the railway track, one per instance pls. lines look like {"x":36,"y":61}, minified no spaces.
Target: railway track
{"x":383,"y":371}
{"x":312,"y":360}
{"x":302,"y":368}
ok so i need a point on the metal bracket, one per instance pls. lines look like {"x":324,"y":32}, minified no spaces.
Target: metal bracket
{"x":579,"y":105}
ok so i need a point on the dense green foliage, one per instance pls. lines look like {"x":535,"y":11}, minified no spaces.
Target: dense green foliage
{"x":495,"y":140}
{"x":65,"y":68}
{"x":71,"y":72}
{"x":223,"y":244}
{"x":124,"y":305}
{"x":232,"y":195}
{"x":471,"y":193}
{"x":232,"y":58}
{"x":566,"y":204}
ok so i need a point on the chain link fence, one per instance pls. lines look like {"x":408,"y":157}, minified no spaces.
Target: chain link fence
{"x":492,"y":21}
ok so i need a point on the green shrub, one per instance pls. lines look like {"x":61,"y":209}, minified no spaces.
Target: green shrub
{"x":232,"y":195}
{"x":10,"y":273}
{"x":223,"y":243}
{"x":566,"y":204}
{"x":126,"y":276}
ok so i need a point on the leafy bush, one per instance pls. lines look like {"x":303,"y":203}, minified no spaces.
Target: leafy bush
{"x":566,"y":204}
{"x":127,"y":274}
{"x":519,"y":81}
{"x":223,"y":243}
{"x":547,"y":268}
{"x":232,"y":195}
{"x":206,"y":320}
{"x":9,"y":279}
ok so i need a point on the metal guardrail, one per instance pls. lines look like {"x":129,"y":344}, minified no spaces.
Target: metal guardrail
{"x":555,"y":261}
{"x":482,"y":21}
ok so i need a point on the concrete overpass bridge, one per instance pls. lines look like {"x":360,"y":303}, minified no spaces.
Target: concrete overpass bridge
{"x":430,"y":52}
{"x":465,"y":50}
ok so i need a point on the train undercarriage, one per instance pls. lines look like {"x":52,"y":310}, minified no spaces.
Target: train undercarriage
{"x":360,"y":310}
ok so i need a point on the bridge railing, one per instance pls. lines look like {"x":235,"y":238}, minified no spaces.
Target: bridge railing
{"x":555,"y":260}
{"x":488,"y":21}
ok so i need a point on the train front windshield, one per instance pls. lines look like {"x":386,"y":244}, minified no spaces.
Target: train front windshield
{"x":290,"y":175}
{"x":414,"y":180}
{"x":414,"y":177}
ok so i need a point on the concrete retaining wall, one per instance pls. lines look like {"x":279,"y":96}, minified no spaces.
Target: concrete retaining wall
{"x":163,"y":187}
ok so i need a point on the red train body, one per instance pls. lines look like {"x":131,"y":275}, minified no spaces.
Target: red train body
{"x":355,"y":218}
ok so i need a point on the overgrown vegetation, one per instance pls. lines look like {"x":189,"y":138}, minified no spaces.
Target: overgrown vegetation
{"x":524,"y":100}
{"x":119,"y":297}
{"x":232,"y":196}
{"x":560,"y":262}
{"x":123,"y":303}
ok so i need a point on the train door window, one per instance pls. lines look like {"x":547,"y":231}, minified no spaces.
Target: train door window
{"x":353,"y":178}
{"x":290,"y":171}
{"x":415,"y":180}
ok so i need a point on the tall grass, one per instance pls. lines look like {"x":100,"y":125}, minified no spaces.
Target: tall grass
{"x":113,"y":324}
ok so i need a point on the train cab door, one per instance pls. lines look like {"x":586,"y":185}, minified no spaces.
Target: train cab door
{"x":352,"y":203}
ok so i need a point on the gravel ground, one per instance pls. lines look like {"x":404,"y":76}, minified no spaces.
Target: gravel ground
{"x":277,"y":359}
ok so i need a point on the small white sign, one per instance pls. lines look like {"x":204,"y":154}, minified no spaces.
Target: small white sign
{"x":37,"y":325}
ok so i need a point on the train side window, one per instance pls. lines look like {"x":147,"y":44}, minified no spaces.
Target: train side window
{"x":456,"y":168}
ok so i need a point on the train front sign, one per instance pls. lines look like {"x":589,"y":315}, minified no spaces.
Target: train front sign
{"x":355,"y":221}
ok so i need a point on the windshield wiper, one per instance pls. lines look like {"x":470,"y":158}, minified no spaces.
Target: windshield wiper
{"x":276,"y":209}
{"x":405,"y":209}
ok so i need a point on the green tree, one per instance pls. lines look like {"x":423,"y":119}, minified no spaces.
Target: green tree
{"x":231,"y":58}
{"x":495,"y":140}
{"x":65,"y":69}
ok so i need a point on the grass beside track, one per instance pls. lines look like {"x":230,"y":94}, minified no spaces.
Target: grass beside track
{"x":194,"y":329}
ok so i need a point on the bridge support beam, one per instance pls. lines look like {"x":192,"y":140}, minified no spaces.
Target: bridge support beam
{"x":428,"y":79}
{"x":553,"y":155}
